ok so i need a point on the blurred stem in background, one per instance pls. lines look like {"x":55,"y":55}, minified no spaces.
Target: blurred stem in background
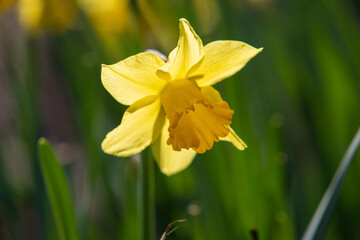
{"x":147,"y":196}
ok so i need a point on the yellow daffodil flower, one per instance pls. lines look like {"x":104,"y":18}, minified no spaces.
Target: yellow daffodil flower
{"x":108,"y":17}
{"x":54,"y":15}
{"x":4,"y":4}
{"x":172,"y":104}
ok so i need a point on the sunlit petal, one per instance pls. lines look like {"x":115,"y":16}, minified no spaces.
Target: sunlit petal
{"x":223,"y":59}
{"x":186,"y":55}
{"x":234,"y":139}
{"x":137,"y":129}
{"x":133,"y":78}
{"x":212,"y":94}
{"x":170,"y":161}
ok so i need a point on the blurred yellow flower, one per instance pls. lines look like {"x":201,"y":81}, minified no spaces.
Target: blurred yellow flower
{"x":49,"y":14}
{"x":4,"y":4}
{"x":108,"y":17}
{"x":172,"y":104}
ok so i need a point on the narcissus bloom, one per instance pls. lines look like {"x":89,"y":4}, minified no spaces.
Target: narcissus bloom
{"x":4,"y":4}
{"x":172,"y":104}
{"x":108,"y":17}
{"x":46,"y":14}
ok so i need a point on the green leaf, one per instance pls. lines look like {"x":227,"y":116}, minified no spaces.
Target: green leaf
{"x":320,"y":220}
{"x":58,"y":192}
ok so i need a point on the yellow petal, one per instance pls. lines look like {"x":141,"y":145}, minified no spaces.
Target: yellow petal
{"x":170,"y":161}
{"x":200,"y":128}
{"x":195,"y":121}
{"x":212,"y":94}
{"x":223,"y":59}
{"x":186,"y":55}
{"x":137,"y":130}
{"x":234,"y":139}
{"x":30,"y":13}
{"x":133,"y":78}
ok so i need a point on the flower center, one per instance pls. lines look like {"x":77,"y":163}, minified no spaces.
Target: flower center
{"x":195,"y":121}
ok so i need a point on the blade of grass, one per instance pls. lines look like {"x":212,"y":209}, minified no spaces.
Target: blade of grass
{"x":318,"y":224}
{"x":58,"y":192}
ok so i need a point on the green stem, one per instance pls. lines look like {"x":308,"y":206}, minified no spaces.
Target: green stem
{"x":147,"y":197}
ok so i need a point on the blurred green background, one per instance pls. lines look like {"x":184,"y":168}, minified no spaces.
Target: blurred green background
{"x":297,"y":106}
